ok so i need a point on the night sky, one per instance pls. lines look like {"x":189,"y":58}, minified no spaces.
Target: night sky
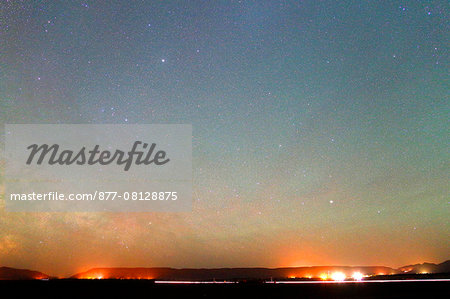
{"x":320,"y":129}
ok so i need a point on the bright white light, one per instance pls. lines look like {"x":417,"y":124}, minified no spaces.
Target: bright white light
{"x":338,"y":276}
{"x":357,"y":276}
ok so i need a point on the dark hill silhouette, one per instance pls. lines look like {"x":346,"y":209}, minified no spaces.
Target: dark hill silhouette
{"x":254,"y":273}
{"x":444,"y":267}
{"x":7,"y":273}
{"x":226,"y":273}
{"x":427,"y":268}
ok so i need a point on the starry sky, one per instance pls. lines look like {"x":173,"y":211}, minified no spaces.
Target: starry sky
{"x":320,"y":128}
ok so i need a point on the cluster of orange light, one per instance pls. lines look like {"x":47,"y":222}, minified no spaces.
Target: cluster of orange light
{"x":102,"y":277}
{"x":336,"y":276}
{"x":340,"y":276}
{"x":40,"y":277}
{"x":93,"y":277}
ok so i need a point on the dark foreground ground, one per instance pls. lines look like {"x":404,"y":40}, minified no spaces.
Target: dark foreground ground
{"x":147,"y":289}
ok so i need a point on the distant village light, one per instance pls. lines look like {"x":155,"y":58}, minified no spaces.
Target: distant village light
{"x":338,"y":276}
{"x":323,"y":276}
{"x":357,"y":276}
